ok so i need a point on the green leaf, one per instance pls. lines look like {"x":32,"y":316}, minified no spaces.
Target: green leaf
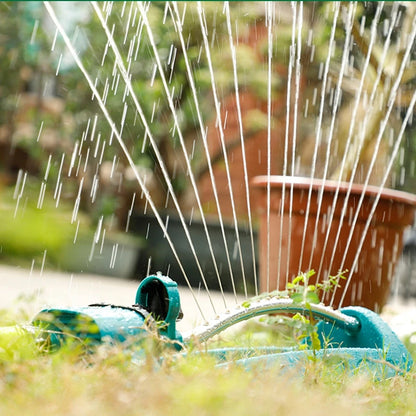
{"x":312,"y":297}
{"x":310,"y":273}
{"x":315,"y":341}
{"x":298,"y":279}
{"x":296,"y":297}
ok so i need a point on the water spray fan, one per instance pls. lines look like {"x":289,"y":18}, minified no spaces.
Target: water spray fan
{"x":355,"y":335}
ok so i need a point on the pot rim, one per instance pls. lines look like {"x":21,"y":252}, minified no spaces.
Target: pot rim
{"x":278,"y":181}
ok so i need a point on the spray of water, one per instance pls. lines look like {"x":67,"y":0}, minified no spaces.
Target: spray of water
{"x":222,"y":137}
{"x":206,"y":149}
{"x":299,"y":22}
{"x":115,"y":131}
{"x":335,"y":105}
{"x":286,"y":149}
{"x":391,"y":101}
{"x":269,"y":14}
{"x":352,"y":126}
{"x":318,"y":134}
{"x":243,"y":147}
{"x":136,"y":18}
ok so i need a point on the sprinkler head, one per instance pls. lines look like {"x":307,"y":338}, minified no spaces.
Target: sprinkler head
{"x":157,"y":306}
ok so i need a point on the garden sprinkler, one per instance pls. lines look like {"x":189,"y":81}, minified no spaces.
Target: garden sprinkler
{"x":157,"y":305}
{"x":355,"y":335}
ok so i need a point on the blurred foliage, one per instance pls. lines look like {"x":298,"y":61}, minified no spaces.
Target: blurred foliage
{"x":46,"y":106}
{"x":33,"y":231}
{"x":148,"y":85}
{"x":34,"y":61}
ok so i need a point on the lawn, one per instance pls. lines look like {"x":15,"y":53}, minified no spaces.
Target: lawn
{"x":112,"y":381}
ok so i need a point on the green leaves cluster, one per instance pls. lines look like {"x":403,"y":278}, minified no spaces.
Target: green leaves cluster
{"x":307,"y":294}
{"x":301,"y":291}
{"x":304,"y":294}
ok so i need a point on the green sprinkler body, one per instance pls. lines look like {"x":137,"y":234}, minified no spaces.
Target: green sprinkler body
{"x":358,"y":337}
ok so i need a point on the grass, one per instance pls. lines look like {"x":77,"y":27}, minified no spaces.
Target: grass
{"x":110,"y":382}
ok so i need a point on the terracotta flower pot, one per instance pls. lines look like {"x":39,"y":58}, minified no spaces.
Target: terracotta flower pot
{"x":371,"y":278}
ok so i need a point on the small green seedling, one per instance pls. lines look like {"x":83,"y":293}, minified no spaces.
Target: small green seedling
{"x":304,"y":294}
{"x":301,"y":292}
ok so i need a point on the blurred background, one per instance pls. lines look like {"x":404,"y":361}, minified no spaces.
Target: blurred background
{"x":69,"y":200}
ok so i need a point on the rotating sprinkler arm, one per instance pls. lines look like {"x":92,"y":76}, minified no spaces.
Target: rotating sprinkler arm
{"x":270,"y":306}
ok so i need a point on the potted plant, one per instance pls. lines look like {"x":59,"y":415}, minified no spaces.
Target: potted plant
{"x":331,"y":239}
{"x":346,"y":221}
